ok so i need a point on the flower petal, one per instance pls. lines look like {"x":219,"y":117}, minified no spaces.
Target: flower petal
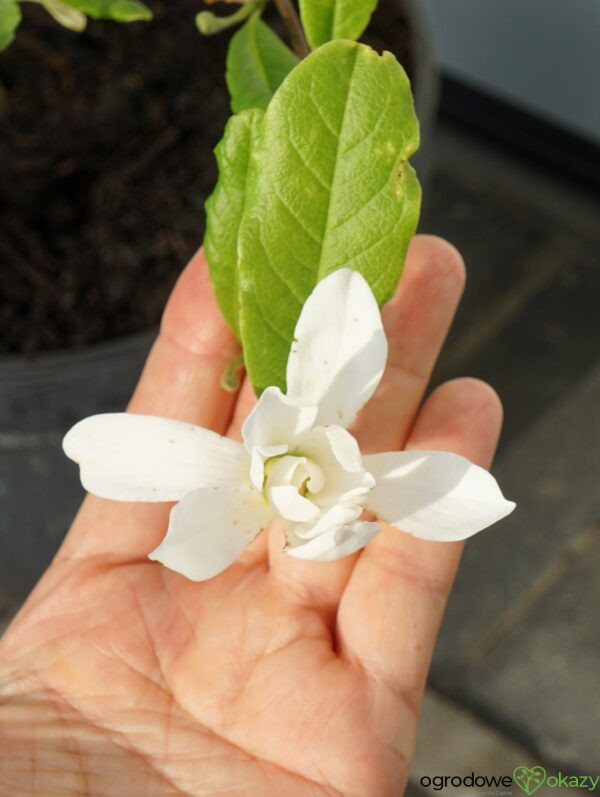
{"x":275,"y":420}
{"x":258,"y":457}
{"x":130,"y":457}
{"x":291,"y":505}
{"x":434,"y":495}
{"x":332,"y":518}
{"x":209,"y":528}
{"x":339,"y":348}
{"x":334,"y":445}
{"x":338,"y":456}
{"x":300,"y":472}
{"x":336,"y":542}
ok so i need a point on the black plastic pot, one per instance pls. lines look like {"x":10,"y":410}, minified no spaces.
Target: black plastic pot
{"x":39,"y":486}
{"x":41,"y":398}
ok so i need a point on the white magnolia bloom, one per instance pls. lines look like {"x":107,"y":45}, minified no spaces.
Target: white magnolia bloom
{"x":297,"y":461}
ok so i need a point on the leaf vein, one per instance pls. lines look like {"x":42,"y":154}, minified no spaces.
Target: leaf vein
{"x":296,"y":219}
{"x":308,"y":168}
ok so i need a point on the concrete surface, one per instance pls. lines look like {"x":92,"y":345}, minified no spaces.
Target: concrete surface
{"x":520,"y":644}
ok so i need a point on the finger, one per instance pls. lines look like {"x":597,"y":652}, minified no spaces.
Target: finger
{"x":312,"y":585}
{"x":416,"y":322}
{"x":181,"y":380}
{"x":182,"y":375}
{"x":244,"y":404}
{"x":391,"y":609}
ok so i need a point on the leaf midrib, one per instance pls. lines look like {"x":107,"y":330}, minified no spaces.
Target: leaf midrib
{"x":320,"y":273}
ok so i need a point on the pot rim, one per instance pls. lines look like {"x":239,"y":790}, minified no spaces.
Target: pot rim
{"x":62,"y":364}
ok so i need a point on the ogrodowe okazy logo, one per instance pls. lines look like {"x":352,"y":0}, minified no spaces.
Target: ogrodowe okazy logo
{"x":528,"y":779}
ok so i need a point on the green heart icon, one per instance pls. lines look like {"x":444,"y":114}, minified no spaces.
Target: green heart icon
{"x":529,"y":779}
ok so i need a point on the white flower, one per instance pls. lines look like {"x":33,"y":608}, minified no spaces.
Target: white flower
{"x":297,"y":461}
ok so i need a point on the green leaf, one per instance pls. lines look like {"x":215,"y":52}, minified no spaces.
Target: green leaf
{"x":224,"y":209}
{"x":65,"y":15}
{"x":118,"y":10}
{"x":257,"y":63}
{"x":330,"y":187}
{"x":325,"y":20}
{"x":10,"y":17}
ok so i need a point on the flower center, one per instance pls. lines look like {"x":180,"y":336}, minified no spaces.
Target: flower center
{"x":297,"y":471}
{"x":312,"y":479}
{"x":291,"y":485}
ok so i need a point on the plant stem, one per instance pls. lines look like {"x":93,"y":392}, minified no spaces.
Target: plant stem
{"x":230,"y":378}
{"x":287,"y":12}
{"x":209,"y":23}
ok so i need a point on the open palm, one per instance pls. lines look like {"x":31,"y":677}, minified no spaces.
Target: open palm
{"x":279,"y":676}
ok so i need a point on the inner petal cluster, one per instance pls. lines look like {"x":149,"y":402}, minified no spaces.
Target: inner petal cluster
{"x":312,"y":476}
{"x":292,"y":483}
{"x":321,"y":483}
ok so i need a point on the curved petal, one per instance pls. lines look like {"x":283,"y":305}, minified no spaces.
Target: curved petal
{"x":335,"y":445}
{"x":209,"y":528}
{"x":332,"y":518}
{"x":338,"y":455}
{"x":130,"y":457}
{"x":339,"y":349}
{"x":287,"y":470}
{"x":336,"y":542}
{"x":291,"y":505}
{"x":434,"y":495}
{"x":258,"y":457}
{"x":298,"y":471}
{"x":276,"y":419}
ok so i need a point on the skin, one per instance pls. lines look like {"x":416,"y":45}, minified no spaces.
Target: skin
{"x":278,"y":677}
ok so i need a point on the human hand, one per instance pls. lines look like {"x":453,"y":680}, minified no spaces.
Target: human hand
{"x":279,"y":676}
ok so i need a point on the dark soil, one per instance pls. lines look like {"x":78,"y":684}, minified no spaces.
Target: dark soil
{"x":106,"y":159}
